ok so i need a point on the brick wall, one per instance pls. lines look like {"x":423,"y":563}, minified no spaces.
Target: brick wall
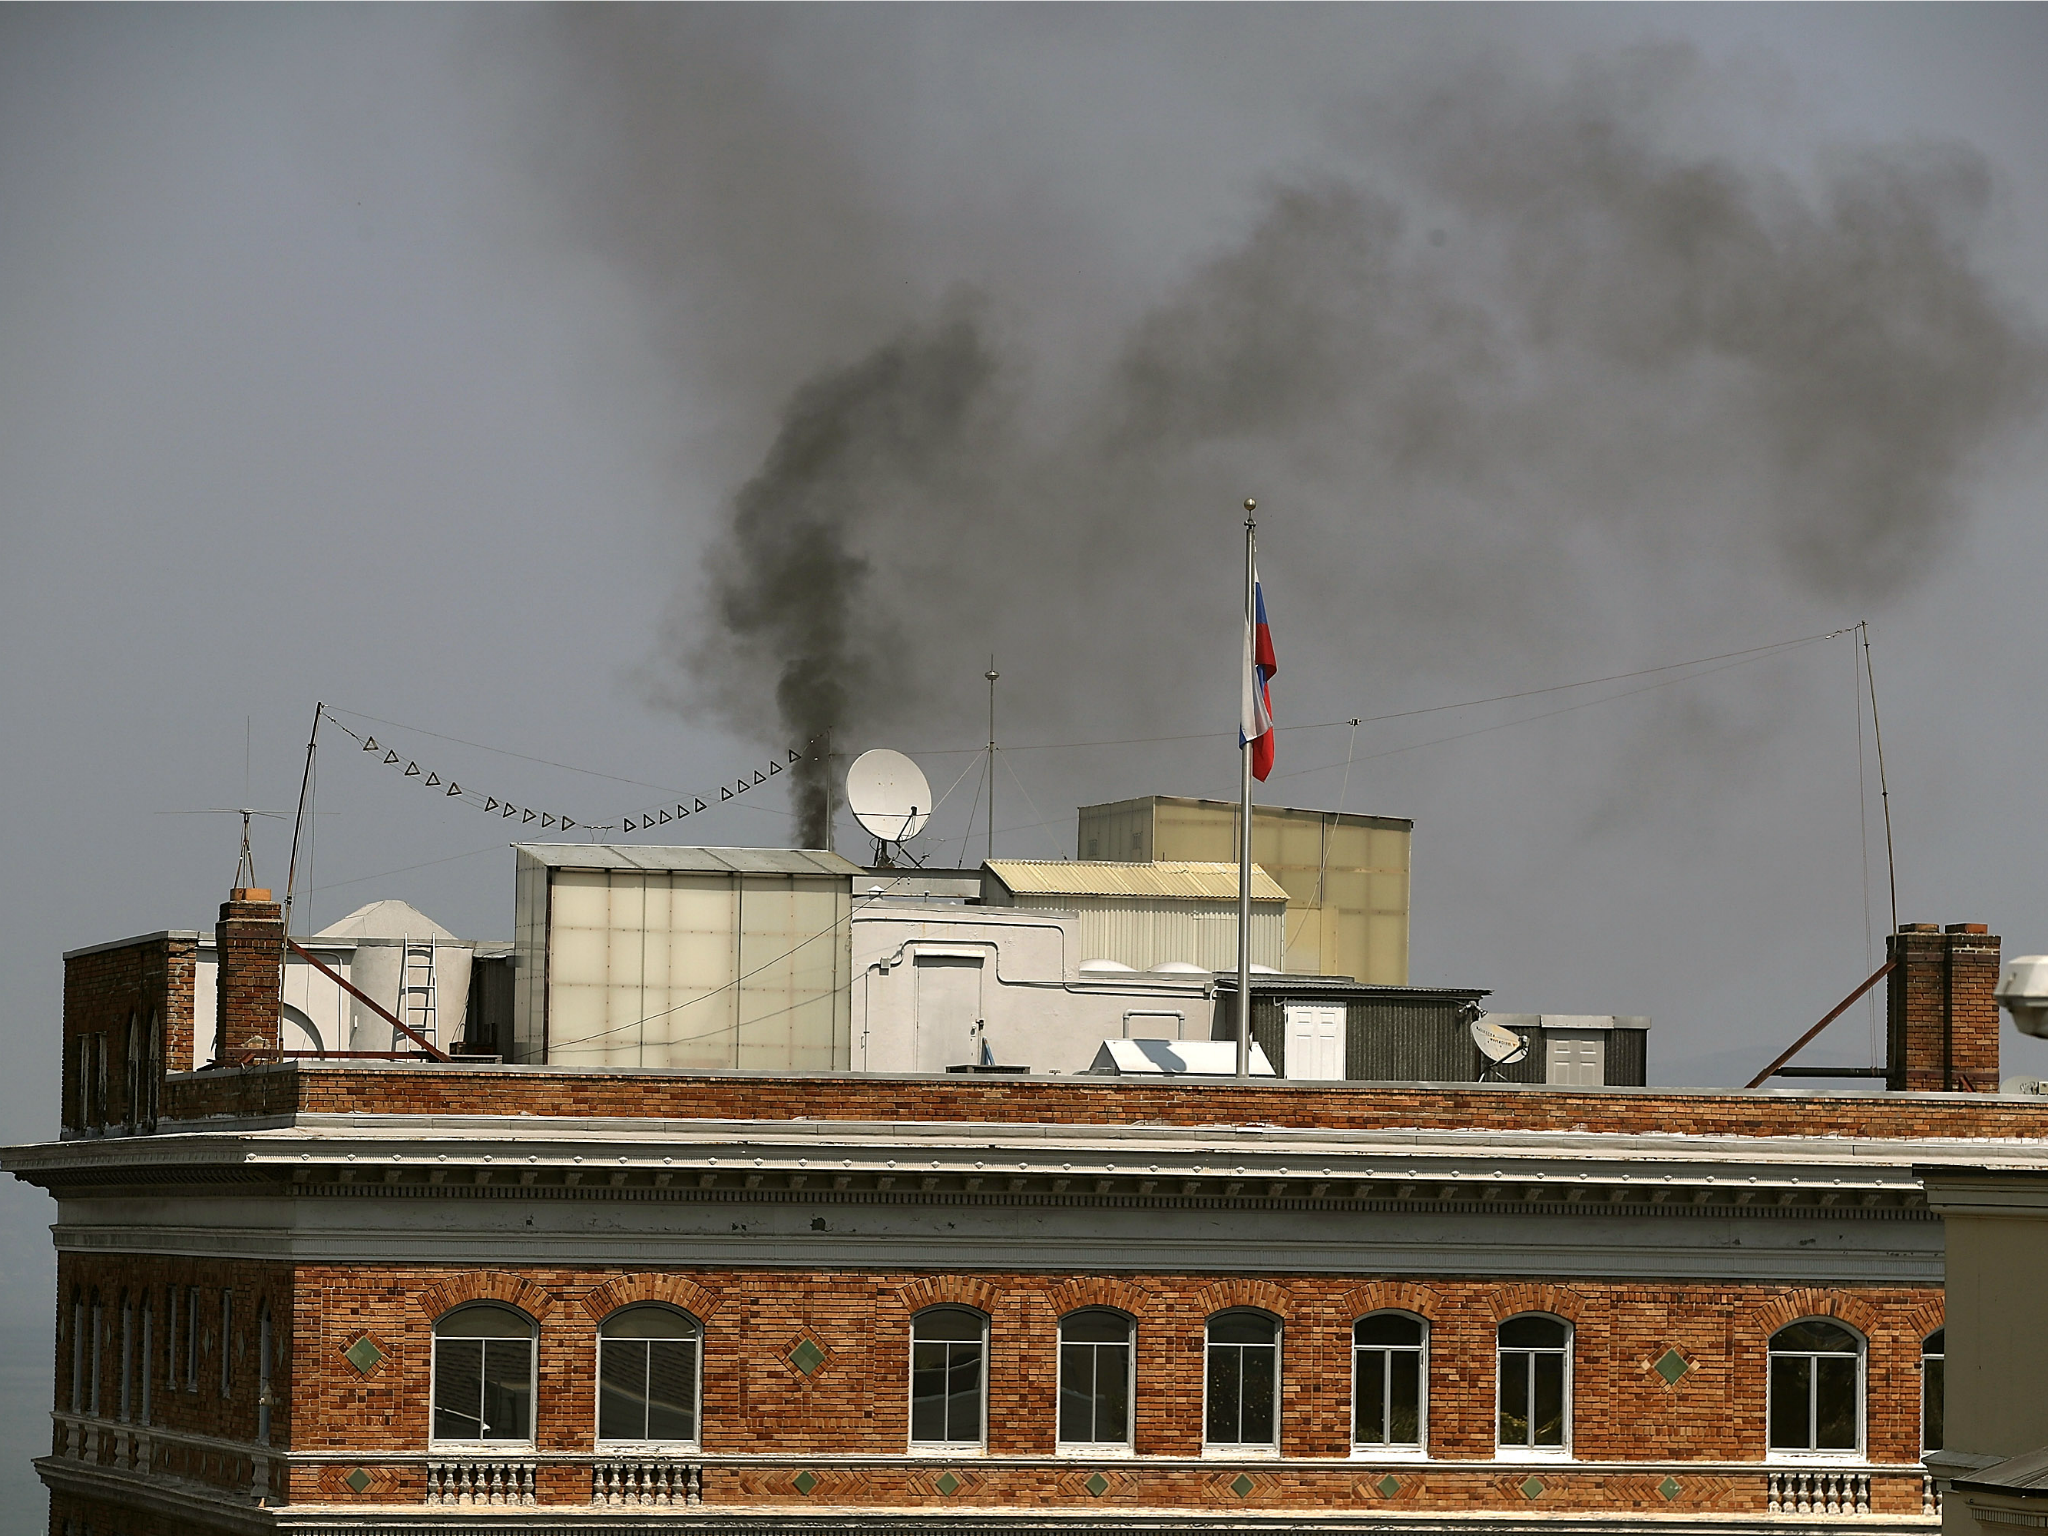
{"x":185,"y":1388}
{"x":127,"y":1021}
{"x":1941,"y":1019}
{"x":757,"y":1400}
{"x":452,"y":1090}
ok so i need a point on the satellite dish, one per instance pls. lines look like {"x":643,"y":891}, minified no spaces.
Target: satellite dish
{"x":1501,"y":1046}
{"x":888,"y":795}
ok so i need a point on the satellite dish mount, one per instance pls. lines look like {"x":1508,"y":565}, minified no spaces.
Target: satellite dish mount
{"x":1499,"y":1046}
{"x":891,"y":799}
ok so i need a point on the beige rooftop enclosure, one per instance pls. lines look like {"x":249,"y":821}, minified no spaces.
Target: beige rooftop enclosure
{"x":1346,"y":876}
{"x":1143,"y":915}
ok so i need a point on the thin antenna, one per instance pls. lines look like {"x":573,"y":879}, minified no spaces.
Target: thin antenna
{"x":245,"y":866}
{"x":1884,"y":792}
{"x":305,"y":780}
{"x":1863,"y":841}
{"x":992,"y":674}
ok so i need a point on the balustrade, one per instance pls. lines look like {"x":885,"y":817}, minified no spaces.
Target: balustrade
{"x":647,"y":1483}
{"x":480,"y":1482}
{"x":1819,"y":1493}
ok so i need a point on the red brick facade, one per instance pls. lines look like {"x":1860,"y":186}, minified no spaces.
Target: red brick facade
{"x":852,"y":1407}
{"x":250,"y":991}
{"x":127,"y":1021}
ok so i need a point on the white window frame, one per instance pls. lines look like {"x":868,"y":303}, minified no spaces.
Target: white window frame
{"x":1850,"y":1456}
{"x":1367,"y":1450}
{"x":1926,"y":1355}
{"x":1245,"y":1450}
{"x":697,"y":1382}
{"x":1128,"y":1445}
{"x":508,"y":1446}
{"x":978,"y":1447}
{"x":1505,"y":1452}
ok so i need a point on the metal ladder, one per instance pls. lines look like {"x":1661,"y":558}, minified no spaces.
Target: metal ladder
{"x":418,"y":1003}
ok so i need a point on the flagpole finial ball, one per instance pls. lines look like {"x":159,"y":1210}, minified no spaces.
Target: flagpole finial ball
{"x":1250,"y":505}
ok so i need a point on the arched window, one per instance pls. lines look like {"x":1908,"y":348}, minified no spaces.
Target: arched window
{"x":647,"y":1373}
{"x":948,"y":1352}
{"x":1933,"y":1364}
{"x":131,"y":1073}
{"x":1535,"y":1384}
{"x":1816,"y":1388}
{"x":127,"y":1357}
{"x":1388,"y":1402}
{"x":263,"y":1401}
{"x":1095,"y":1378}
{"x":99,"y":1336}
{"x":1242,"y":1389}
{"x":148,"y":1356}
{"x":483,"y":1374}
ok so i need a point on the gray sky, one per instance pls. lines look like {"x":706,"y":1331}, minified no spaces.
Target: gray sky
{"x":414,"y":359}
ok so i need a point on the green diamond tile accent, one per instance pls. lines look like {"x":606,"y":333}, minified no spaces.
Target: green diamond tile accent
{"x":1671,"y":1487}
{"x":1671,"y":1365}
{"x":806,"y":1357}
{"x":805,"y":1482}
{"x":1097,"y":1484}
{"x":1388,"y":1486}
{"x":948,"y":1483}
{"x":1242,"y":1485}
{"x":358,"y":1480}
{"x":1532,"y":1488}
{"x":365,"y":1356}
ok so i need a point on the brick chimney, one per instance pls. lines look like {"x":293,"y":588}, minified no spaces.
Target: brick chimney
{"x":249,"y":940}
{"x":1941,"y":1020}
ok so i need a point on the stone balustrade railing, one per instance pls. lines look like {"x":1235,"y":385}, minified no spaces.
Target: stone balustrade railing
{"x":484,"y":1480}
{"x":1792,"y":1492}
{"x":647,"y":1483}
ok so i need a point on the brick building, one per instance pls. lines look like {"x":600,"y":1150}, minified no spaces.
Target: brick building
{"x":423,"y":1296}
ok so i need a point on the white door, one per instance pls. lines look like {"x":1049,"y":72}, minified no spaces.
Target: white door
{"x":1315,"y":1041}
{"x":948,"y":1008}
{"x":1577,"y":1060}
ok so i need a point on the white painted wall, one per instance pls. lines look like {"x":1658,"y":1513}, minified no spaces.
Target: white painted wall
{"x":932,"y":982}
{"x":316,"y":1010}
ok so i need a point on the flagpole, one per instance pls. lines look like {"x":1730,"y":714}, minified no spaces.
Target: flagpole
{"x":1244,"y":812}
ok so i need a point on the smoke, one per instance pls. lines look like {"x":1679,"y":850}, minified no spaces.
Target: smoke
{"x":1513,"y":348}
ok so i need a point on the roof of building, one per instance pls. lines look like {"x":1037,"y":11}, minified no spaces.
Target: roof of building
{"x":1343,"y":818}
{"x":729,"y":861}
{"x":1350,"y":987}
{"x":1172,"y":880}
{"x":2022,"y":1474}
{"x":385,"y":920}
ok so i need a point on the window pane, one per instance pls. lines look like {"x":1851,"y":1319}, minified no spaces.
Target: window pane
{"x":672,"y":1389}
{"x":1226,"y":1385}
{"x":1815,"y":1335}
{"x":483,"y":1320}
{"x":1077,"y":1392}
{"x":1514,"y":1398}
{"x":458,"y":1389}
{"x":648,"y":1323}
{"x":508,"y":1389}
{"x":928,"y":1392}
{"x":1242,"y":1328}
{"x":1405,"y":1420}
{"x":1256,"y":1426}
{"x":621,"y":1389}
{"x":1835,"y":1391}
{"x":1096,"y":1327}
{"x":1549,"y":1371}
{"x":963,"y":1392}
{"x":1932,"y":1371}
{"x":1369,"y":1426}
{"x":1387,"y":1328}
{"x":947,"y":1323}
{"x":1112,"y":1393}
{"x":1791,"y":1389}
{"x":1532,"y":1333}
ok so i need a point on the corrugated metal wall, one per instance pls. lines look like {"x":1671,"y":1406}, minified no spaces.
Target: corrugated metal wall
{"x":1141,"y":933}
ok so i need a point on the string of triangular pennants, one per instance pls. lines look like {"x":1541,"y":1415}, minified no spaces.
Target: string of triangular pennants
{"x":637,"y":821}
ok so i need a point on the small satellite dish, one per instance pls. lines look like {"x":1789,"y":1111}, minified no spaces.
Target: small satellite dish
{"x":888,"y":795}
{"x":1500,"y":1046}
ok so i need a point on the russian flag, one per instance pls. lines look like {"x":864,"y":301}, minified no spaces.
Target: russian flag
{"x":1255,"y":722}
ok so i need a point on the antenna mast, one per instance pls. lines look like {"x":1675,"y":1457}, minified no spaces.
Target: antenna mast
{"x":291,"y":873}
{"x":1884,"y":793}
{"x":992,"y":674}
